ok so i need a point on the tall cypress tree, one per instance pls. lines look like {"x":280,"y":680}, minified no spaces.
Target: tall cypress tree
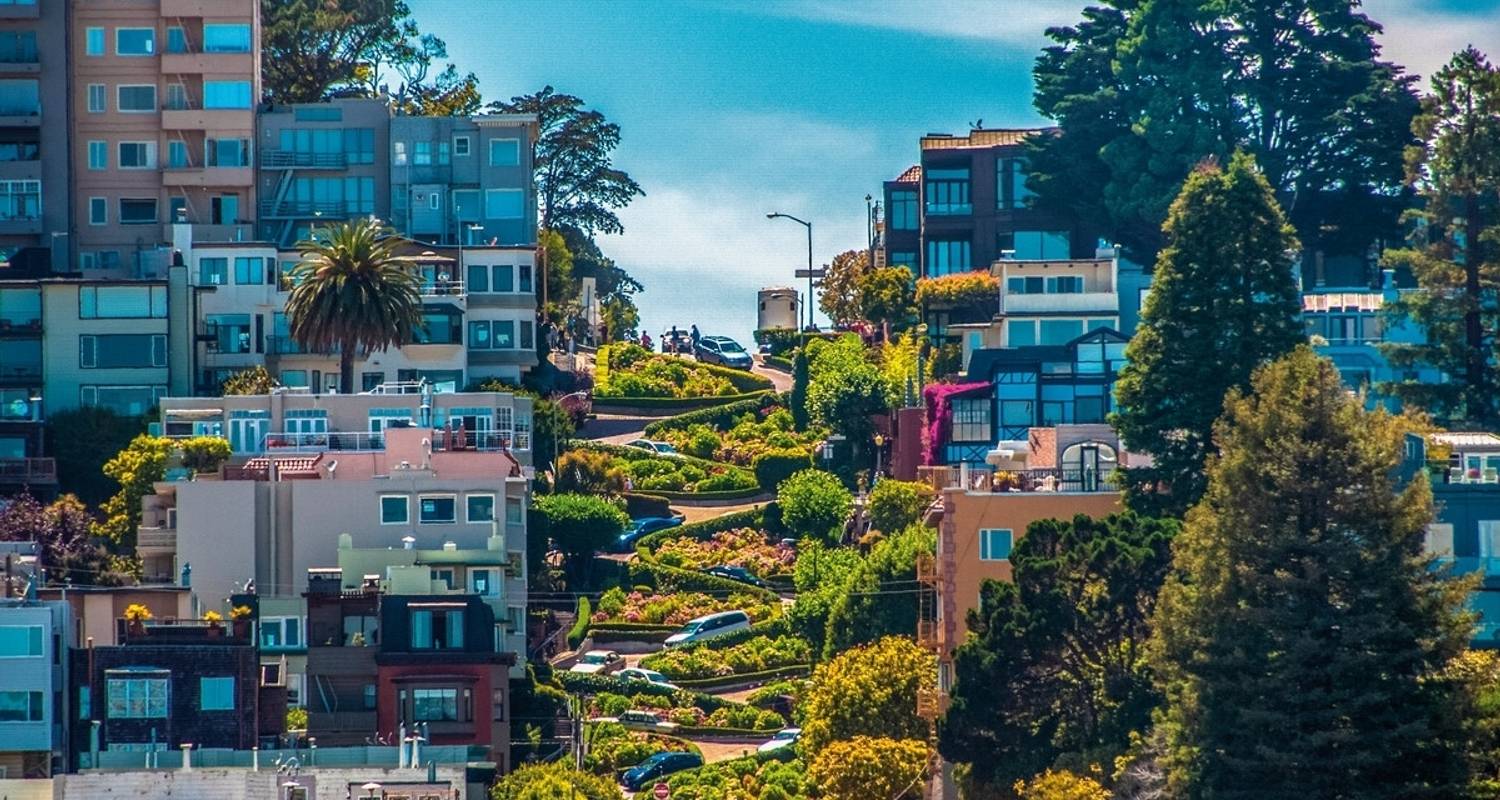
{"x":1223,"y":302}
{"x":1300,"y":635}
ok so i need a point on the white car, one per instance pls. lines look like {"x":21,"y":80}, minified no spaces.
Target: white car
{"x":786,"y":737}
{"x":641,"y":721}
{"x":649,"y":676}
{"x":659,"y":448}
{"x":598,"y":662}
{"x":709,"y":626}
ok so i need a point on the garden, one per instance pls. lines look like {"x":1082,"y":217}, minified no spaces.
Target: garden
{"x":625,"y":370}
{"x":759,"y":654}
{"x":752,"y":778}
{"x":741,"y":547}
{"x":616,"y":606}
{"x":597,"y":468}
{"x":613,"y":748}
{"x":688,"y":710}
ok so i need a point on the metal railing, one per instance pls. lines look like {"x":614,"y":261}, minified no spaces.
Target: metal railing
{"x":988,"y":479}
{"x":305,"y":209}
{"x":156,"y":537}
{"x":472,"y":440}
{"x":442,"y":288}
{"x":28,"y":470}
{"x":292,"y":158}
{"x":293,"y":442}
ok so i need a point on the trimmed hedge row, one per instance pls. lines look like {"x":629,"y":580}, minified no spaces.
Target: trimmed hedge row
{"x":609,"y":636}
{"x":674,"y":579}
{"x":778,"y":362}
{"x":695,"y":730}
{"x":605,"y":404}
{"x":793,"y":671}
{"x":773,"y":627}
{"x":726,"y":494}
{"x":638,"y":504}
{"x":593,"y":684}
{"x":718,"y":417}
{"x":580,"y":628}
{"x":629,"y":453}
{"x":703,"y":530}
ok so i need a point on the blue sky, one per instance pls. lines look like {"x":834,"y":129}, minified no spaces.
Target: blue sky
{"x":729,"y":110}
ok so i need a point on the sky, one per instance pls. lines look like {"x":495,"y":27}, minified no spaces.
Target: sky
{"x":730,"y":110}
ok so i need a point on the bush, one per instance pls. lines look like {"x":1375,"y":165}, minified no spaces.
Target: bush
{"x":864,"y":767}
{"x":959,"y":290}
{"x":624,"y":370}
{"x":743,"y":547}
{"x":554,"y":780}
{"x":778,"y":340}
{"x":675,"y":608}
{"x":772,"y":467}
{"x":755,"y":655}
{"x":639,"y":505}
{"x":588,"y":472}
{"x":581,"y":524}
{"x":772,"y":776}
{"x":814,"y":503}
{"x":895,"y":505}
{"x":580,"y":627}
{"x":721,"y":417}
{"x":204,"y":453}
{"x":704,"y":529}
{"x":82,"y":440}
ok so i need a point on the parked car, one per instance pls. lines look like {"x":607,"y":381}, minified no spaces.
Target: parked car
{"x":735,"y":574}
{"x":680,"y":342}
{"x":659,"y":448}
{"x":641,"y":721}
{"x":658,"y":766}
{"x":599,"y":662}
{"x":709,"y":626}
{"x":723,"y":351}
{"x":786,"y":737}
{"x":641,"y":527}
{"x":647,"y":675}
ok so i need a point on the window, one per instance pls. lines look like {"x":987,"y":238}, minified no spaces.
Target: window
{"x":994,"y":544}
{"x":176,"y":97}
{"x":503,"y":204}
{"x":445,"y":575}
{"x":1011,"y":177}
{"x":1065,"y":284}
{"x":122,"y":302}
{"x":514,"y":511}
{"x":900,"y":258}
{"x":460,"y":145}
{"x":85,"y":703}
{"x":137,"y":155}
{"x":250,"y":271}
{"x":443,"y":154}
{"x":394,"y":510}
{"x":226,"y":38}
{"x":527,"y":340}
{"x":434,"y":201}
{"x":177,"y":155}
{"x":437,"y":629}
{"x":504,"y":278}
{"x":18,"y":47}
{"x":98,"y":154}
{"x":947,"y":257}
{"x":971,"y":419}
{"x":20,"y":641}
{"x":230,"y":332}
{"x":20,"y":706}
{"x":122,"y":350}
{"x":94,"y":41}
{"x":948,"y":191}
{"x":436,"y":509}
{"x":479,"y":278}
{"x":1041,"y":245}
{"x":484,"y":582}
{"x":1489,"y":539}
{"x":421,"y":154}
{"x":1061,"y":331}
{"x":137,"y":698}
{"x":20,"y":97}
{"x":176,"y":39}
{"x":522,"y":430}
{"x":434,"y":705}
{"x":227,"y":152}
{"x":1440,"y":539}
{"x":523,"y":277}
{"x":135,"y":99}
{"x":135,"y":41}
{"x":398,"y":153}
{"x":98,"y":101}
{"x":903,"y":211}
{"x":505,"y":152}
{"x":213,"y":272}
{"x":137,"y":211}
{"x":131,"y":401}
{"x":503,"y":334}
{"x":20,"y":199}
{"x":479,"y":336}
{"x":280,"y":632}
{"x":216,"y":694}
{"x":479,"y":508}
{"x":226,"y":94}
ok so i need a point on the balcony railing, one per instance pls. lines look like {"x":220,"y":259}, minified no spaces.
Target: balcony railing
{"x":287,"y":346}
{"x":156,"y":538}
{"x":291,"y":158}
{"x":28,"y":470}
{"x":1016,"y":303}
{"x":290,"y":442}
{"x":987,"y":479}
{"x":442,"y":289}
{"x":299,"y":209}
{"x":473,"y":440}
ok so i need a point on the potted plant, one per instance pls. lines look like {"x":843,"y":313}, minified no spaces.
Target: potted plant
{"x":215,"y":622}
{"x":136,"y":616}
{"x":240,"y":618}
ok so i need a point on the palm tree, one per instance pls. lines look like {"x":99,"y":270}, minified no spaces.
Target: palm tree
{"x":351,"y":292}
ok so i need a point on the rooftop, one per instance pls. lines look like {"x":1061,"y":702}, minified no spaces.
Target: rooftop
{"x":981,"y":137}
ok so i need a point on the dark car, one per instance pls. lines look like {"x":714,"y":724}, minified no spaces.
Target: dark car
{"x":735,"y":574}
{"x":641,"y":527}
{"x":722,"y":350}
{"x":658,"y":766}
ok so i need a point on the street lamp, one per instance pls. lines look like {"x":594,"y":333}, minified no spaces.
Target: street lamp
{"x":808,"y":225}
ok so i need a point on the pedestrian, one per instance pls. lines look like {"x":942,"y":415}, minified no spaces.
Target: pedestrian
{"x":671,"y":340}
{"x":695,"y":337}
{"x":646,"y":340}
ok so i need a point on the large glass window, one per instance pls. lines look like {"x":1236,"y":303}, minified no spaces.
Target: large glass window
{"x":902,"y":215}
{"x":971,"y":419}
{"x":945,"y":257}
{"x":479,"y":336}
{"x":479,"y":278}
{"x":213,"y":271}
{"x":504,"y":204}
{"x":137,"y":698}
{"x":138,"y":99}
{"x":1041,"y":245}
{"x":227,"y":152}
{"x":1012,"y":180}
{"x":93,"y":41}
{"x":135,"y":41}
{"x":122,"y":302}
{"x":137,"y":155}
{"x":230,"y":332}
{"x":437,"y":629}
{"x":1061,"y":331}
{"x":130,"y":401}
{"x":503,"y":333}
{"x":504,"y":278}
{"x":434,"y":705}
{"x":98,"y":98}
{"x":479,"y":508}
{"x":20,"y":199}
{"x":18,"y":47}
{"x":216,"y":694}
{"x":505,"y":152}
{"x":122,"y":350}
{"x":437,"y":509}
{"x":137,"y":211}
{"x":20,"y":706}
{"x":948,"y":191}
{"x":395,"y":509}
{"x":439,"y":328}
{"x":226,"y":94}
{"x":994,"y":544}
{"x":25,"y":641}
{"x":250,"y":271}
{"x":226,"y":38}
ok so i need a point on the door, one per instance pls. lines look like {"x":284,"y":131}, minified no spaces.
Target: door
{"x":1088,"y":467}
{"x":248,"y":434}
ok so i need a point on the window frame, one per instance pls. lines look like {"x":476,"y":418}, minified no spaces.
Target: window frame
{"x":146,"y":147}
{"x":453,"y":498}
{"x":405,"y":505}
{"x":99,"y":91}
{"x":986,"y":550}
{"x":467,"y":148}
{"x":502,"y":140}
{"x":217,"y":684}
{"x":35,"y":635}
{"x":151,"y":51}
{"x":469,"y":510}
{"x":95,"y":41}
{"x":120,"y":106}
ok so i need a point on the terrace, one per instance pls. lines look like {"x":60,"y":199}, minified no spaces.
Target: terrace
{"x":974,"y":479}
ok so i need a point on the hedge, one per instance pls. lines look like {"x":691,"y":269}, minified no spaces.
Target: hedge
{"x":640,"y":454}
{"x":639,"y":505}
{"x":610,"y":636}
{"x":719,"y":417}
{"x":773,"y":627}
{"x":771,"y":467}
{"x":578,"y":682}
{"x":725,"y":494}
{"x":621,"y":627}
{"x":579,"y":631}
{"x":778,"y":362}
{"x":778,"y":340}
{"x":606,"y":404}
{"x":705,"y":732}
{"x":793,"y":671}
{"x":686,"y":580}
{"x":705,"y":529}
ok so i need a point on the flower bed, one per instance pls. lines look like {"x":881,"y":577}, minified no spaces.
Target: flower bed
{"x":649,"y":472}
{"x":684,"y":710}
{"x":742,"y":547}
{"x":613,"y":748}
{"x":760,"y":654}
{"x":627,"y":370}
{"x":777,"y":774}
{"x":673,"y":609}
{"x":744,"y":440}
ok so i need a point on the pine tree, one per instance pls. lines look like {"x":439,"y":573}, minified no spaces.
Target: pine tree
{"x":1223,"y":302}
{"x":800,"y":379}
{"x":1300,"y":636}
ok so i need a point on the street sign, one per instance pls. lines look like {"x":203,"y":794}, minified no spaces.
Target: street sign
{"x":660,"y":791}
{"x":812,"y":273}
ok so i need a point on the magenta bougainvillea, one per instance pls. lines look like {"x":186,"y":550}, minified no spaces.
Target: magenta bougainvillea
{"x":938,"y":397}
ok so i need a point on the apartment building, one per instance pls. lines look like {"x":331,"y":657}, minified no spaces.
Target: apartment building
{"x":164,"y":93}
{"x":320,"y":163}
{"x":464,"y":180}
{"x":34,"y":158}
{"x":34,"y":693}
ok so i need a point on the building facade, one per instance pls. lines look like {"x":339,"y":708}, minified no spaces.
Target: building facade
{"x":464,"y":180}
{"x":34,"y":157}
{"x":320,"y":163}
{"x":34,"y":691}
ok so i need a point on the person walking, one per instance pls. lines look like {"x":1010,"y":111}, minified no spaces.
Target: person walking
{"x":694,"y":336}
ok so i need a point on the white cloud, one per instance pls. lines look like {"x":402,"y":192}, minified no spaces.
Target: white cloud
{"x":1423,"y":39}
{"x":1017,"y":22}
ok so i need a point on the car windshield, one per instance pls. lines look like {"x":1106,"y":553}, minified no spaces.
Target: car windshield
{"x":691,"y":627}
{"x":655,"y":676}
{"x":785,"y":735}
{"x":594,"y":658}
{"x":731,"y":347}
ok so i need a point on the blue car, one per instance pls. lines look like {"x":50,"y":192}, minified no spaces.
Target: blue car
{"x":641,"y":527}
{"x":658,"y":766}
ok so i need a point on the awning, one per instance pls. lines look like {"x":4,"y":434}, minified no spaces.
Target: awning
{"x":195,"y":413}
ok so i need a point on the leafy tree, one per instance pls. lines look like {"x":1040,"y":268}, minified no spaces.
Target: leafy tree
{"x":588,"y":472}
{"x":839,"y":293}
{"x":1302,"y":632}
{"x":798,"y":398}
{"x":887,"y":295}
{"x":136,"y":469}
{"x":1455,"y":249}
{"x":845,"y":388}
{"x":863,"y":612}
{"x":1055,"y":670}
{"x":866,"y":691}
{"x":577,"y":183}
{"x":895,"y":505}
{"x":867,"y":767}
{"x":61,"y":530}
{"x":562,"y":284}
{"x":820,"y":576}
{"x":554,"y":781}
{"x":352,"y":293}
{"x":580,"y":525}
{"x":1478,"y":672}
{"x":204,"y":453}
{"x":1061,"y":786}
{"x":251,"y":380}
{"x":1222,"y":303}
{"x":1144,"y":89}
{"x":82,"y":440}
{"x":813,"y":503}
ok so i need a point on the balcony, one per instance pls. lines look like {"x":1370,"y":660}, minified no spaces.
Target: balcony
{"x":305,"y":209}
{"x":22,"y":374}
{"x":19,"y":60}
{"x":442,"y":289}
{"x":155,"y":541}
{"x":212,"y":233}
{"x":28,"y":470}
{"x":240,"y":177}
{"x":1082,"y":302}
{"x":288,"y":159}
{"x":1023,"y":481}
{"x":208,"y":119}
{"x":20,"y":226}
{"x":227,"y":9}
{"x":926,"y":569}
{"x":287,"y":346}
{"x":352,"y":442}
{"x":208,"y":63}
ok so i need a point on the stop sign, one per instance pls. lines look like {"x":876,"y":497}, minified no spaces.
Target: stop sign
{"x":660,"y":791}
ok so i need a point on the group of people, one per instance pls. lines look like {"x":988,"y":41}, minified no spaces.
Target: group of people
{"x":674,"y":341}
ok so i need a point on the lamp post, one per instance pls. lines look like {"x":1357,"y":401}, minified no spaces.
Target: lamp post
{"x":808,"y":225}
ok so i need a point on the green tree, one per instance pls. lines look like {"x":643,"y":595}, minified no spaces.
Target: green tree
{"x":814,"y":504}
{"x":557,"y":274}
{"x":1061,"y":786}
{"x":82,"y":440}
{"x":554,"y":781}
{"x":820,"y":577}
{"x":136,"y":469}
{"x":61,"y":531}
{"x":866,"y":691}
{"x":1223,"y":302}
{"x":1478,"y":673}
{"x":838,"y":295}
{"x":869,"y":607}
{"x":887,"y":296}
{"x":353,"y":293}
{"x":1301,"y":635}
{"x":1455,"y":249}
{"x":867,"y":767}
{"x":580,"y":525}
{"x":798,"y":398}
{"x":251,"y":380}
{"x":1055,"y":671}
{"x":895,"y":505}
{"x":577,"y":183}
{"x":1144,"y":89}
{"x":844,"y":388}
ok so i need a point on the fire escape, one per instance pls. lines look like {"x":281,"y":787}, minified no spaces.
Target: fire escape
{"x":935,"y":626}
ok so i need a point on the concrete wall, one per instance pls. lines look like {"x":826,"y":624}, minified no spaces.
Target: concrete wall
{"x":245,"y":784}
